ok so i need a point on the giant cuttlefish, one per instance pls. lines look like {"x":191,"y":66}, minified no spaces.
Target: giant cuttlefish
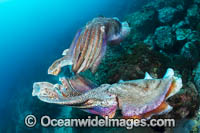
{"x":141,"y":98}
{"x":89,"y":45}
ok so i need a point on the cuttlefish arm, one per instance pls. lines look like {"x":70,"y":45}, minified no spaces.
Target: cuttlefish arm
{"x":66,"y":60}
{"x":136,"y":98}
{"x":96,"y":101}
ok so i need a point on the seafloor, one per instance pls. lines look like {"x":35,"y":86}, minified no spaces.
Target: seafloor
{"x":164,"y":34}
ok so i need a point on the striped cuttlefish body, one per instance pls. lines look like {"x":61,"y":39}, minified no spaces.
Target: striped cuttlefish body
{"x":89,"y":45}
{"x":141,"y":98}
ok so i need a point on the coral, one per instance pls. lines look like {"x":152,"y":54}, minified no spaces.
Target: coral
{"x":185,"y":104}
{"x":140,"y":18}
{"x":196,"y":126}
{"x":166,"y":14}
{"x":122,"y":65}
{"x":194,"y":37}
{"x":142,"y":23}
{"x":190,"y":51}
{"x":178,"y":25}
{"x":197,"y":76}
{"x":197,"y":1}
{"x":164,"y":38}
{"x":193,"y":11}
{"x":182,"y":34}
{"x":150,"y":40}
{"x":159,"y":4}
{"x":193,"y":15}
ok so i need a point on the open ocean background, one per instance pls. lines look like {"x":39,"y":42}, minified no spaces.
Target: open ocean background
{"x":33,"y":33}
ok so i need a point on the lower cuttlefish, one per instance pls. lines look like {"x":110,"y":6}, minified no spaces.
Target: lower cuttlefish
{"x":89,"y":45}
{"x":141,"y":98}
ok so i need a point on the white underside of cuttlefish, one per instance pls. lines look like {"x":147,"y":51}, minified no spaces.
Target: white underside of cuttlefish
{"x":141,"y":98}
{"x":89,"y":45}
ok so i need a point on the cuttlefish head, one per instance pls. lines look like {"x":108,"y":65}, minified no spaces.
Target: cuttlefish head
{"x":117,"y":30}
{"x":96,"y":100}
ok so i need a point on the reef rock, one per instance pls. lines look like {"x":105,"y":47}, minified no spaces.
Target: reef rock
{"x":140,"y":18}
{"x":164,"y":38}
{"x":190,"y":51}
{"x":182,"y":34}
{"x":193,"y":11}
{"x":159,"y":4}
{"x":166,"y":14}
{"x":150,"y":40}
{"x":193,"y":15}
{"x":142,"y":23}
{"x":185,"y":104}
{"x":197,"y":76}
{"x":197,"y":1}
{"x":178,"y":25}
{"x":194,"y":37}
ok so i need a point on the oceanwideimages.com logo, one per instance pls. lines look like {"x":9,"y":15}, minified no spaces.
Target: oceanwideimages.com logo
{"x":47,"y":121}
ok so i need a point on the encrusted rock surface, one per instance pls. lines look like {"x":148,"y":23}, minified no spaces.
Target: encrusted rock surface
{"x":164,"y":38}
{"x":166,"y":14}
{"x":163,"y":34}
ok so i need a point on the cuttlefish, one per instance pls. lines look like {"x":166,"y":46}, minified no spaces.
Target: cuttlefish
{"x":89,"y":45}
{"x":140,"y":98}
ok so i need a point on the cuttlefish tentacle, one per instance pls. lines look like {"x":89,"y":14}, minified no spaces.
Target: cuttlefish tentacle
{"x":141,"y":98}
{"x":89,"y":45}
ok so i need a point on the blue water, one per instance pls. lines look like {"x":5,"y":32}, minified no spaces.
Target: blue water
{"x":33,"y":33}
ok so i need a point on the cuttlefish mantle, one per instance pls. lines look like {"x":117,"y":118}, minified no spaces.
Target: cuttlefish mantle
{"x":141,"y":98}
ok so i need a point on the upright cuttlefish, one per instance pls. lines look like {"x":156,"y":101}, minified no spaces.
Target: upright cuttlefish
{"x":89,"y":45}
{"x":141,"y":98}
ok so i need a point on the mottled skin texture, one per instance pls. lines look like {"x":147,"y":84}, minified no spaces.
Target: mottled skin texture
{"x":133,"y":98}
{"x":89,"y":45}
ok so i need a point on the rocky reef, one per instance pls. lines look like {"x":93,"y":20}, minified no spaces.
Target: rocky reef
{"x":163,"y":34}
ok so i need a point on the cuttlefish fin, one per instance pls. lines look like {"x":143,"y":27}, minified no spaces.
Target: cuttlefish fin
{"x":175,"y":87}
{"x":176,"y":83}
{"x":103,"y":111}
{"x":163,"y":108}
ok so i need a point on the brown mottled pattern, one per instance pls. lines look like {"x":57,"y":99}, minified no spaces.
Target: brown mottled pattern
{"x":136,"y":92}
